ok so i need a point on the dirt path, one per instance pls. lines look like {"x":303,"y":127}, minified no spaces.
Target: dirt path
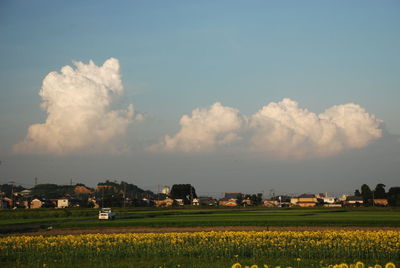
{"x":111,"y":230}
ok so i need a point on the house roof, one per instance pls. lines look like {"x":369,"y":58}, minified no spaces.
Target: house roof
{"x":354,"y":198}
{"x":307,"y":196}
{"x":233,"y":195}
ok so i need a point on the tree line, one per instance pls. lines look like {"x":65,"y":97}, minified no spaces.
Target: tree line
{"x":368,"y":195}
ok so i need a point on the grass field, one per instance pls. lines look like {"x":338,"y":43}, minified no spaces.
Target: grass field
{"x":191,"y":217}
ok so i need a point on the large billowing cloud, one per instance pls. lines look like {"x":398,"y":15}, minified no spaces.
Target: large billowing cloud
{"x":285,"y":129}
{"x":205,"y":130}
{"x":282,"y":129}
{"x":78,"y":102}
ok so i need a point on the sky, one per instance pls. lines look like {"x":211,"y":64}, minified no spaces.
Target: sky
{"x":250,"y":96}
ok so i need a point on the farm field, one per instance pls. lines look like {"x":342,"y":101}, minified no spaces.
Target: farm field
{"x":28,"y":220}
{"x":211,"y":249}
{"x":199,"y":237}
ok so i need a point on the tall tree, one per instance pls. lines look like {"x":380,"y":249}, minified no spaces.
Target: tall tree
{"x":380,"y":191}
{"x":357,"y":193}
{"x":366,"y":193}
{"x":393,"y":196}
{"x":183,"y":191}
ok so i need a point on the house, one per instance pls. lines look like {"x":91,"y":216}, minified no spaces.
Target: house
{"x":325,"y":199}
{"x":24,"y":193}
{"x":82,"y":189}
{"x":207,"y":201}
{"x":307,"y":200}
{"x":6,"y":202}
{"x":165,"y":203}
{"x":294,"y":201}
{"x":282,"y":200}
{"x":354,"y":201}
{"x":270,"y":203}
{"x":382,"y":202}
{"x":62,"y":203}
{"x":232,"y":199}
{"x":179,"y":202}
{"x":247,"y":202}
{"x":196,"y":202}
{"x":93,"y":202}
{"x":36,"y":203}
{"x":232,"y":202}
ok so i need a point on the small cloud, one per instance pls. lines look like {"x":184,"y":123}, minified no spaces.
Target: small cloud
{"x":204,"y":130}
{"x":79,"y":116}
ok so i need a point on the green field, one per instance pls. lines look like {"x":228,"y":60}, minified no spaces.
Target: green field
{"x":27,"y":220}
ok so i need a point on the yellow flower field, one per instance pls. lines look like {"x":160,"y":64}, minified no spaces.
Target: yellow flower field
{"x":317,"y":245}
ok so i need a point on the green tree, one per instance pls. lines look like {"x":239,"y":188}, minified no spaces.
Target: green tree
{"x":114,"y":194}
{"x":357,"y":193}
{"x":8,"y":189}
{"x":393,"y":196}
{"x":49,"y":190}
{"x":379,"y":191}
{"x":183,"y":191}
{"x":366,"y":193}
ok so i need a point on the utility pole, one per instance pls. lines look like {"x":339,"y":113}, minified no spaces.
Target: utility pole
{"x":36,"y":179}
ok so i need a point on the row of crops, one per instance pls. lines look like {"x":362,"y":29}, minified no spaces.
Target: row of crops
{"x":315,"y":245}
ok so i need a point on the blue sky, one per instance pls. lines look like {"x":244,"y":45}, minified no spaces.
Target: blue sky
{"x":176,"y":56}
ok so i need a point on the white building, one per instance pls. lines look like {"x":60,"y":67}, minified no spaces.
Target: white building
{"x":62,"y":203}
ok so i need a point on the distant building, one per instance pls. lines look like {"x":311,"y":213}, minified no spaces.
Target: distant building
{"x":233,"y":195}
{"x":247,"y":202}
{"x":62,"y":203}
{"x":293,"y":201}
{"x":24,"y":193}
{"x":82,"y":189}
{"x":164,"y":203}
{"x":382,"y":202}
{"x":325,"y":199}
{"x":6,"y":202}
{"x":307,"y":200}
{"x":354,"y":201}
{"x":232,"y":202}
{"x":179,"y":202}
{"x":36,"y":203}
{"x":207,"y":201}
{"x":282,"y":200}
{"x":232,"y":199}
{"x":270,"y":203}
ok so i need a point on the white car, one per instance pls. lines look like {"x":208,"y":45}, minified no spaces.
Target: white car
{"x":106,"y":214}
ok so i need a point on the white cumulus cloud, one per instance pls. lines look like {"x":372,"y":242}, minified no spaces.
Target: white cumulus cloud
{"x":78,"y":102}
{"x":204,"y":130}
{"x":286,"y":129}
{"x":281,"y":128}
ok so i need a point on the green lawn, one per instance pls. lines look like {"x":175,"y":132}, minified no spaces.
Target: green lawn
{"x":178,"y":217}
{"x":259,"y":217}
